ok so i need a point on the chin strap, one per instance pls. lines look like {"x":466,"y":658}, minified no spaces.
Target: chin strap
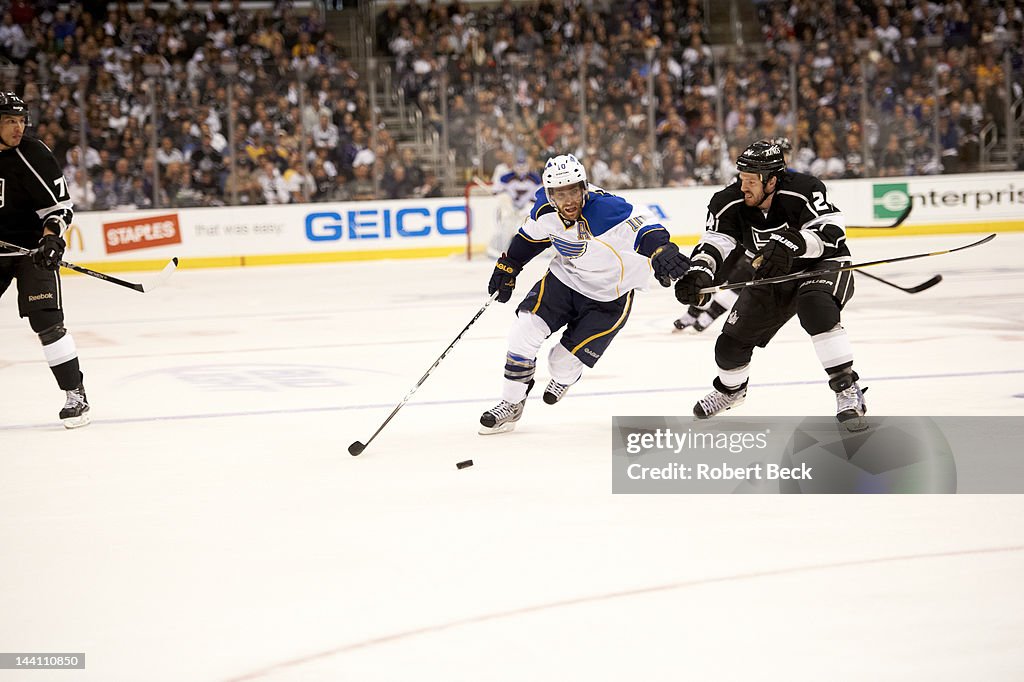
{"x":764,"y":187}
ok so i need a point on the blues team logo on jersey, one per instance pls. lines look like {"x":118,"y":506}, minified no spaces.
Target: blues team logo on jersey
{"x":569,"y":249}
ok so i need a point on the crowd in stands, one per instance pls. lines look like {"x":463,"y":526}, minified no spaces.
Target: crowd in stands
{"x":512,"y":77}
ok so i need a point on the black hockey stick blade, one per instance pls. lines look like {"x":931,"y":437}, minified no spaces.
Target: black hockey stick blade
{"x":927,"y":284}
{"x":899,"y":221}
{"x":356,"y":448}
{"x":828,"y":271}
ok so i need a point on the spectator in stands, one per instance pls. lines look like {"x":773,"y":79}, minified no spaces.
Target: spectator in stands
{"x":243,"y":183}
{"x":272,"y":187}
{"x":396,"y":184}
{"x":828,"y":166}
{"x":892,"y":161}
{"x":81,"y":191}
{"x":362,"y":183}
{"x":325,"y":134}
{"x":168,"y":153}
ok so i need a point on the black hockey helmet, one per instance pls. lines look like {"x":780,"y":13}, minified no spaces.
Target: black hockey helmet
{"x":12,"y":105}
{"x":784,"y":144}
{"x":764,"y":157}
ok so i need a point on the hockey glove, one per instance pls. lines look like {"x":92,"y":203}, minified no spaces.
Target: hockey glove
{"x":776,"y":258}
{"x":669,"y":264}
{"x":503,"y":279}
{"x":49,"y":253}
{"x":688,"y":287}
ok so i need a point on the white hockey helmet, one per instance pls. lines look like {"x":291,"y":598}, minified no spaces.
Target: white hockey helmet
{"x":562,"y":171}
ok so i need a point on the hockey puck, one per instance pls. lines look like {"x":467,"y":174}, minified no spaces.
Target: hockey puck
{"x":464,"y":465}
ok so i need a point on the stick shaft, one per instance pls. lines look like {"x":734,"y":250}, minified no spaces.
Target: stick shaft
{"x":78,"y":268}
{"x":828,"y":271}
{"x":432,"y":367}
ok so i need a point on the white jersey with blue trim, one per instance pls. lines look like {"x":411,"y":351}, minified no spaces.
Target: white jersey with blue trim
{"x":596,"y":254}
{"x":520,"y":189}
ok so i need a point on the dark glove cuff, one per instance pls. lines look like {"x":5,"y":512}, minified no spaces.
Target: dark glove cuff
{"x":55,"y":225}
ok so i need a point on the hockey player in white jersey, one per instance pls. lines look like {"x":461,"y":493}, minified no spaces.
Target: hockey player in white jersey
{"x":606,"y":248}
{"x":517,"y":191}
{"x":521,"y":186}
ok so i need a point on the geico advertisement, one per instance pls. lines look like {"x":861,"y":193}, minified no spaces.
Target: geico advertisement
{"x":372,"y":225}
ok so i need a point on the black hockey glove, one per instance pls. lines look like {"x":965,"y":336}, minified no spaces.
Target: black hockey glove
{"x":503,"y":279}
{"x":776,"y":258}
{"x":49,"y":253}
{"x":689,"y":285}
{"x":669,"y":264}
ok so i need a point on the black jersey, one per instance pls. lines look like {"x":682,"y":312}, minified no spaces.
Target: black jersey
{"x":800,"y":203}
{"x":32,"y":188}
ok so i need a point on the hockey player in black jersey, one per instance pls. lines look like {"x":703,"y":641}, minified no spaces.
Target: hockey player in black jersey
{"x":784,"y":220}
{"x":699,"y":318}
{"x":35,"y":210}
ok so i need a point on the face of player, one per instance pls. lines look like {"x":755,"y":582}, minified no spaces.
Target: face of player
{"x":754,"y":191}
{"x":12,"y":128}
{"x":568,"y":200}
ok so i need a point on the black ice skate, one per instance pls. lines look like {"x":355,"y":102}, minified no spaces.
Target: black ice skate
{"x":555,"y":391}
{"x":688,"y":319}
{"x":850,"y":405}
{"x":719,"y":400}
{"x":698,"y":320}
{"x":502,"y":417}
{"x":76,"y":409}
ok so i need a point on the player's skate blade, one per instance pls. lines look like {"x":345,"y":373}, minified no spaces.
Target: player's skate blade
{"x":501,"y":418}
{"x":76,"y":409}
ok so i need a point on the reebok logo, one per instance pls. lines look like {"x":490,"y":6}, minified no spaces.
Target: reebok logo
{"x":40,"y":297}
{"x":733,"y":317}
{"x":591,"y":353}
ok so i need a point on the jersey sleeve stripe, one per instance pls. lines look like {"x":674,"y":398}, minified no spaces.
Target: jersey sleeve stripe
{"x":531,"y":239}
{"x":38,"y":177}
{"x":722,"y":243}
{"x":724,"y":209}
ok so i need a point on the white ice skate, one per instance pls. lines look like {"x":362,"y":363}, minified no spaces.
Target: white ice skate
{"x":502,"y":417}
{"x":850,"y":405}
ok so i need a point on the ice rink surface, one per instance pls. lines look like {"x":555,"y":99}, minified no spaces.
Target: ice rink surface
{"x":210,"y":525}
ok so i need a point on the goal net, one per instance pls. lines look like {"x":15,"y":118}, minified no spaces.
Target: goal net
{"x":491,"y":221}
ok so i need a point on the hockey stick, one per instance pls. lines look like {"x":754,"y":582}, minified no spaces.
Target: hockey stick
{"x":357,"y":447}
{"x":168,"y":270}
{"x":899,"y":221}
{"x":927,"y":284}
{"x":829,"y":271}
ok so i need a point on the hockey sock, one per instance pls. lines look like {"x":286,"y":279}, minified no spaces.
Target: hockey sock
{"x":519,"y":373}
{"x":733,"y":379}
{"x":62,"y":356}
{"x":833,"y":349}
